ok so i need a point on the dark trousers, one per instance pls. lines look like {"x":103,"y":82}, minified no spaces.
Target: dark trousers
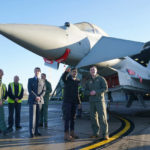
{"x":2,"y":119}
{"x":69,"y":111}
{"x":44,"y":114}
{"x":33,"y":118}
{"x":17,"y":108}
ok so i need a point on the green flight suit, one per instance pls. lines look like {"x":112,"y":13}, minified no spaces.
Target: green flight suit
{"x":3,"y":95}
{"x":44,"y":110}
{"x":97,"y":104}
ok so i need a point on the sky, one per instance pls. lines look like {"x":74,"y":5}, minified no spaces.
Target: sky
{"x":126,"y":19}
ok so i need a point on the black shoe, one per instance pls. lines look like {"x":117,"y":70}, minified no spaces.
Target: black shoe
{"x":18,"y":127}
{"x":38,"y":134}
{"x":45,"y":125}
{"x":10,"y":129}
{"x":31,"y":136}
{"x":41,"y":125}
{"x":78,"y":116}
{"x":5,"y":132}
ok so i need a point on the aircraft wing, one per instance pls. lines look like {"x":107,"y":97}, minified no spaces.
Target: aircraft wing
{"x":108,"y":48}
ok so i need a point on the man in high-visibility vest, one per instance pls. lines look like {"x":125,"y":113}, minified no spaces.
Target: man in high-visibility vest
{"x":3,"y":96}
{"x":15,"y":94}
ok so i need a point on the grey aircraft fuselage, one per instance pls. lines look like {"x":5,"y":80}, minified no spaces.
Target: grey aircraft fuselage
{"x":51,"y":42}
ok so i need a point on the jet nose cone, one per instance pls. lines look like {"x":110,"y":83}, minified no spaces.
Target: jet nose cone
{"x":40,"y":39}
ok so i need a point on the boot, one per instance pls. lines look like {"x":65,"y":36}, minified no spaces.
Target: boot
{"x":74,"y":135}
{"x":5,"y":132}
{"x":106,"y":137}
{"x":45,"y":125}
{"x":67,"y":137}
{"x":10,"y":129}
{"x":40,"y":124}
{"x":18,"y":127}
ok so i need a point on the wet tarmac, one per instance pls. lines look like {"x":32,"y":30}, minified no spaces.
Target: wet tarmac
{"x":52,"y":137}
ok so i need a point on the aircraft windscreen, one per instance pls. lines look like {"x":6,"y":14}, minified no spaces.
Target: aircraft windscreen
{"x":84,"y":26}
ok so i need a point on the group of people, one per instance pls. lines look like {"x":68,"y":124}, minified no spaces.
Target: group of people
{"x":14,"y":94}
{"x":39,"y":90}
{"x":95,"y":89}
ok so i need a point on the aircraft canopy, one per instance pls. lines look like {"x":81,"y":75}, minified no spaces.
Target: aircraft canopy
{"x":85,"y":26}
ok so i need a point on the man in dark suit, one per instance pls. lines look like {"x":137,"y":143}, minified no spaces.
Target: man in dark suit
{"x":36,"y":89}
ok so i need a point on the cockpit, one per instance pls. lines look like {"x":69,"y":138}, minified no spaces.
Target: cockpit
{"x":87,"y":27}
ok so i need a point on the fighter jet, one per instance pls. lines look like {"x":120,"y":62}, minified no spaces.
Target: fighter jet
{"x":122,"y":62}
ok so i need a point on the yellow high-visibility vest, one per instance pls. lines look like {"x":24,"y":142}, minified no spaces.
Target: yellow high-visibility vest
{"x":3,"y":92}
{"x":12,"y":85}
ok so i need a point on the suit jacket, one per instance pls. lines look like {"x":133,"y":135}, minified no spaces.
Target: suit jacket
{"x":36,"y":87}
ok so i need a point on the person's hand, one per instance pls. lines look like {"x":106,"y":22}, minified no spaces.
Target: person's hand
{"x":16,"y":99}
{"x":92,"y":93}
{"x":79,"y":106}
{"x":38,"y":98}
{"x":68,"y":69}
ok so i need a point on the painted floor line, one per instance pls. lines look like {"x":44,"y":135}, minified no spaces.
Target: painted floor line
{"x":126,"y":127}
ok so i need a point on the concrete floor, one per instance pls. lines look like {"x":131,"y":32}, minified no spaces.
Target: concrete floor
{"x":139,"y":139}
{"x":52,"y":137}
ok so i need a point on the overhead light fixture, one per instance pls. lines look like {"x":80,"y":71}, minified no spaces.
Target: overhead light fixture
{"x":136,"y":59}
{"x":142,"y":62}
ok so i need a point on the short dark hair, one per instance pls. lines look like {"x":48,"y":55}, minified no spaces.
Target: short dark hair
{"x":37,"y":68}
{"x":74,"y":69}
{"x":93,"y":66}
{"x":43,"y":74}
{"x":2,"y":71}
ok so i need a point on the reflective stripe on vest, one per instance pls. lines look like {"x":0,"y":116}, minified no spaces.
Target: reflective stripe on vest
{"x":4,"y":89}
{"x":12,"y":85}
